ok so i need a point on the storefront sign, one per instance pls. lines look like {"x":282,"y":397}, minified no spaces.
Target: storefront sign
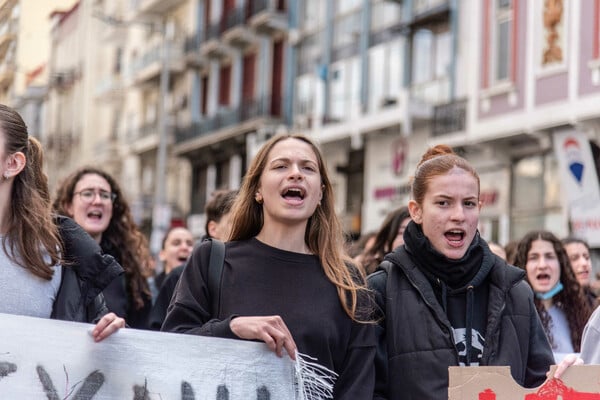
{"x":579,"y":183}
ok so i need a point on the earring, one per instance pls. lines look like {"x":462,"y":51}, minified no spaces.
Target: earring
{"x":6,"y":176}
{"x":258,"y":198}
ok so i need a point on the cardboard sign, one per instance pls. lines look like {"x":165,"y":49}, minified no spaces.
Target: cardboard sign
{"x":56,"y":360}
{"x":579,"y":382}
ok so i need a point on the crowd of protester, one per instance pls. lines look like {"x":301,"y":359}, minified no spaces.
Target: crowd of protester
{"x":388,"y":313}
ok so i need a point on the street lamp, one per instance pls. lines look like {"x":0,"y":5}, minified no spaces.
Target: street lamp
{"x":161,"y":213}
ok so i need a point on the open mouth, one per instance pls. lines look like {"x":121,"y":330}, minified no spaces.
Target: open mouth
{"x":95,"y":214}
{"x":293,"y":193}
{"x":543,"y":277}
{"x":455,"y":235}
{"x":182,"y":259}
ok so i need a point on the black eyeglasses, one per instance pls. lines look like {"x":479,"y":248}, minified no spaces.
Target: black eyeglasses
{"x":88,"y":195}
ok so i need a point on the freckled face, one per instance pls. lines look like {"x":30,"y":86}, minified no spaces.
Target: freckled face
{"x":290,"y":184}
{"x":450,"y":212}
{"x":543,"y":267}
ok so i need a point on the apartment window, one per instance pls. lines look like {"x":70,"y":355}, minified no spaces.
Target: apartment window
{"x":502,"y":40}
{"x":312,"y":14}
{"x":305,"y":93}
{"x":224,"y":85}
{"x":347,"y":30}
{"x":536,"y":197}
{"x":385,"y":74}
{"x":430,"y":63}
{"x":385,"y":14}
{"x":344,"y":88}
{"x":343,"y":6}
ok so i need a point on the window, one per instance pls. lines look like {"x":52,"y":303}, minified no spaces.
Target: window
{"x":536,"y":195}
{"x":385,"y":74}
{"x":431,"y":50}
{"x":347,"y":30}
{"x":343,"y":6}
{"x":385,"y":14}
{"x":502,"y":31}
{"x":312,"y":15}
{"x":344,"y":87}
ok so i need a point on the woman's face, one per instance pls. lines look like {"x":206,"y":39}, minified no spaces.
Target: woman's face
{"x":92,"y":204}
{"x":543,"y":267}
{"x":450,"y":212}
{"x":579,"y":256}
{"x":177,"y":249}
{"x":399,"y":240}
{"x":290,"y":184}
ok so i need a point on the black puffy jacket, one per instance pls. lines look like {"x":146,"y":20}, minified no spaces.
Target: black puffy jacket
{"x":86,"y":273}
{"x":416,"y":346}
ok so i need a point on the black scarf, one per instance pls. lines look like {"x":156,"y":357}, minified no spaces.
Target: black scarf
{"x":452,"y":277}
{"x":455,"y":274}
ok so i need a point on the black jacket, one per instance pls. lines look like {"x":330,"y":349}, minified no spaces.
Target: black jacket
{"x":86,"y":272}
{"x":416,"y":346}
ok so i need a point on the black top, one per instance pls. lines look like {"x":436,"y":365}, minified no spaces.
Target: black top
{"x":262,"y":280}
{"x":119,"y":300}
{"x":159,"y":309}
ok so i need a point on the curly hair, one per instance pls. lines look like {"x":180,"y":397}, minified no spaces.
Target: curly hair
{"x":122,"y":238}
{"x":570,"y":300}
{"x":324,"y":236}
{"x":32,"y":239}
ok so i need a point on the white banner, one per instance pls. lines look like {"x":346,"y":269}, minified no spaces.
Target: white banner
{"x":579,"y":183}
{"x":56,"y":360}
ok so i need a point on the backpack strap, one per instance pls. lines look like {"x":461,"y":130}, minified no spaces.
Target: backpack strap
{"x":215,"y":272}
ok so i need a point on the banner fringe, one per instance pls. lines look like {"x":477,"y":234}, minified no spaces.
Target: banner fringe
{"x":314,"y":381}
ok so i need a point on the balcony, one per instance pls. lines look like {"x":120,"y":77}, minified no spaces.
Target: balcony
{"x":213,"y":47}
{"x":430,"y":12}
{"x":235,"y":31}
{"x":249,"y":110}
{"x":268,"y":16}
{"x":145,"y":138}
{"x":146,"y":68}
{"x":450,"y":117}
{"x":110,"y":88}
{"x":191,"y":48}
{"x":432,"y":92}
{"x":146,"y":10}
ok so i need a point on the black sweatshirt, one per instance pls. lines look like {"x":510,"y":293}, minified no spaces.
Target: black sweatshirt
{"x":262,"y":280}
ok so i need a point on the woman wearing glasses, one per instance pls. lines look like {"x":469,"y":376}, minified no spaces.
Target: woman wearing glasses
{"x":94,"y":200}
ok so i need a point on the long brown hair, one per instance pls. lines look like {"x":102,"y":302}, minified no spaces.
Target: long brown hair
{"x":32,"y":237}
{"x":324,"y":236}
{"x":571,"y":299}
{"x":122,"y":238}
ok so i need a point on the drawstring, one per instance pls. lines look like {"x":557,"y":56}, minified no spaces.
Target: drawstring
{"x":469,"y":323}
